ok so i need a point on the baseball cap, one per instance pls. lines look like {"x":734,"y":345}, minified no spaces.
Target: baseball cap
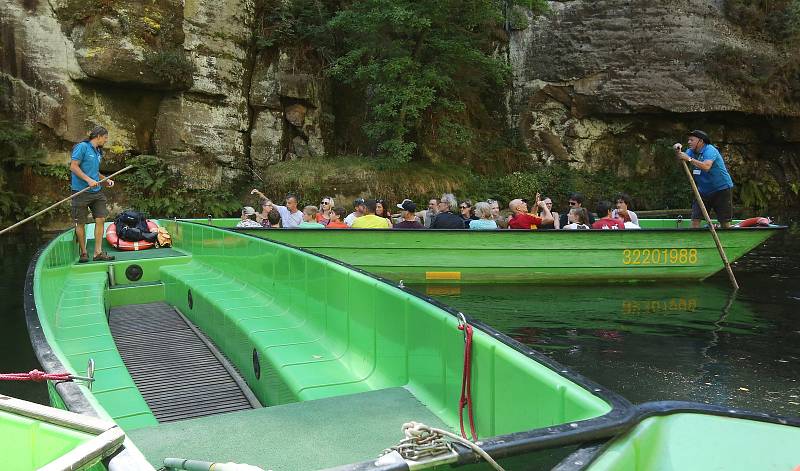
{"x":700,"y":135}
{"x":407,"y":205}
{"x":248,"y":211}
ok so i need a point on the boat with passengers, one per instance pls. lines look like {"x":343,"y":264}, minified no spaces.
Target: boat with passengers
{"x":664,"y":249}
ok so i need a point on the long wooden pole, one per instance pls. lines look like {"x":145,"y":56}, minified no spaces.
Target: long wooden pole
{"x":710,"y":225}
{"x":65,"y":199}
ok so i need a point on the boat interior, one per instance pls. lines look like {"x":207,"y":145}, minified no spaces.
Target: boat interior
{"x":228,"y":347}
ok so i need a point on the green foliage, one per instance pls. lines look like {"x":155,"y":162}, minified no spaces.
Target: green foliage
{"x":415,"y":60}
{"x":172,"y":66}
{"x":19,"y":148}
{"x":156,"y":191}
{"x":759,"y":193}
{"x":774,"y":20}
{"x":292,"y":23}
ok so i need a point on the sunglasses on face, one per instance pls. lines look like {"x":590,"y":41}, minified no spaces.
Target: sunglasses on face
{"x":573,"y":203}
{"x":326,"y":202}
{"x":463,"y":207}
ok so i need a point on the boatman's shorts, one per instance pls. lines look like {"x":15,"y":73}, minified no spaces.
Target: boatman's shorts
{"x":85,"y":201}
{"x":720,"y":201}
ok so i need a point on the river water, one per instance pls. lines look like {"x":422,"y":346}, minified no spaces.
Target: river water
{"x":689,"y":341}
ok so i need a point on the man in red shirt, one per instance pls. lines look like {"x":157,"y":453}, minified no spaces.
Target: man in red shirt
{"x":522,"y":220}
{"x":604,"y":209}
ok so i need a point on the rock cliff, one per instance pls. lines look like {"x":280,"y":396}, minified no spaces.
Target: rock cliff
{"x":181,"y":79}
{"x":596,"y":84}
{"x":604,"y":83}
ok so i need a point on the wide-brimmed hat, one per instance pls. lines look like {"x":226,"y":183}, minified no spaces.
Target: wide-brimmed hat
{"x":407,"y":205}
{"x":700,"y":135}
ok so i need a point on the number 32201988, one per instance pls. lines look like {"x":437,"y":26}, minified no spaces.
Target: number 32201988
{"x":659,"y":257}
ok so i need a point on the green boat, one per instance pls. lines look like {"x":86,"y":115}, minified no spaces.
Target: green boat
{"x":674,"y":436}
{"x":33,"y":436}
{"x":661,"y":250}
{"x":232,"y":348}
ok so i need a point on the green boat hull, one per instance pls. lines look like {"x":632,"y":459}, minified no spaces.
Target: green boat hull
{"x":36,"y":437}
{"x":543,"y":257}
{"x":696,"y":440}
{"x":322,"y":331}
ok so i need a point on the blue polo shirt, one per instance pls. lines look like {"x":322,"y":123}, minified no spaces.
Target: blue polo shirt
{"x":89,"y":161}
{"x":717,"y":178}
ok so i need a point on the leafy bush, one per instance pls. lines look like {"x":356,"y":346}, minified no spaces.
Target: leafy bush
{"x":775,"y":20}
{"x":156,"y":191}
{"x":172,"y":66}
{"x":415,"y":59}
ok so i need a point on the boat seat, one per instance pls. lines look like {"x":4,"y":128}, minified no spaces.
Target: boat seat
{"x":296,"y":352}
{"x":83,"y":333}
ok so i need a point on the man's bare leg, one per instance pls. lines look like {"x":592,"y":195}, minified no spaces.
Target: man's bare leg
{"x":695,"y":223}
{"x":80,"y":233}
{"x":726,"y":225}
{"x":98,"y":235}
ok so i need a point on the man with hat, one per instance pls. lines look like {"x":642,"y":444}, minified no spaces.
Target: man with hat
{"x":409,"y":216}
{"x":711,"y":176}
{"x":358,"y":211}
{"x":248,"y":218}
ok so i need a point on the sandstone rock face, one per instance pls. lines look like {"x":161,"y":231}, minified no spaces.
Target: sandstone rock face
{"x":180,"y":79}
{"x":594,"y":77}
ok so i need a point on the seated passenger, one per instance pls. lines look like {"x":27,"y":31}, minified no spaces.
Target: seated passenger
{"x":501,"y":220}
{"x":428,"y":215}
{"x":485,"y":222}
{"x":369,"y":220}
{"x":358,"y":211}
{"x":248,"y":218}
{"x":382,"y":209}
{"x":310,"y":219}
{"x":446,"y":218}
{"x":607,"y":221}
{"x":325,"y":207}
{"x":290,"y":215}
{"x":336,"y":216}
{"x":578,"y":218}
{"x":466,"y":212}
{"x":263,"y":217}
{"x":623,"y":210}
{"x":522,"y":220}
{"x":556,"y":222}
{"x":409,"y":217}
{"x":575,"y":201}
{"x":274,"y":219}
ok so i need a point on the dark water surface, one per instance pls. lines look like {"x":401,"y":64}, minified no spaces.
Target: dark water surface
{"x":688,"y":341}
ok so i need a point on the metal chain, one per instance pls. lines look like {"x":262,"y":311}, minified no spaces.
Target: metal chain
{"x":420,"y":445}
{"x":422,"y":441}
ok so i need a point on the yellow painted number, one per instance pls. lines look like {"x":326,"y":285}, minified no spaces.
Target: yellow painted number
{"x":659,"y":257}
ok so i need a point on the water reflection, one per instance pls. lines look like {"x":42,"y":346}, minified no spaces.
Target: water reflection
{"x":683,"y":342}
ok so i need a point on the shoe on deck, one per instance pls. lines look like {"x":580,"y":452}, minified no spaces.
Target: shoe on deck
{"x":103,"y":257}
{"x":83,"y":258}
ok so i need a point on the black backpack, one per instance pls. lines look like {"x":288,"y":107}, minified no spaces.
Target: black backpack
{"x":132,"y":226}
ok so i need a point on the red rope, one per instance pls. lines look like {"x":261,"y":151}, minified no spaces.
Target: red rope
{"x":37,"y":376}
{"x":466,"y":384}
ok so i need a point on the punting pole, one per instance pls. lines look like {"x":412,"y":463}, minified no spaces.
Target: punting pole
{"x":65,"y":199}
{"x":710,"y":225}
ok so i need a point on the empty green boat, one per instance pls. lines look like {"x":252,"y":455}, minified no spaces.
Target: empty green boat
{"x":33,"y":436}
{"x":231,"y":348}
{"x":661,"y":250}
{"x":672,"y":436}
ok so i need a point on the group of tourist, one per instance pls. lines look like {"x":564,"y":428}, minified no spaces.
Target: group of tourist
{"x":442,"y":213}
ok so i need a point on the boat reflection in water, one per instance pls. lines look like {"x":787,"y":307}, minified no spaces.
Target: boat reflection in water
{"x":669,"y":342}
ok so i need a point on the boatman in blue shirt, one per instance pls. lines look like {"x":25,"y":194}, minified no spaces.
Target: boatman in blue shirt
{"x":712,"y":178}
{"x":85,"y":168}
